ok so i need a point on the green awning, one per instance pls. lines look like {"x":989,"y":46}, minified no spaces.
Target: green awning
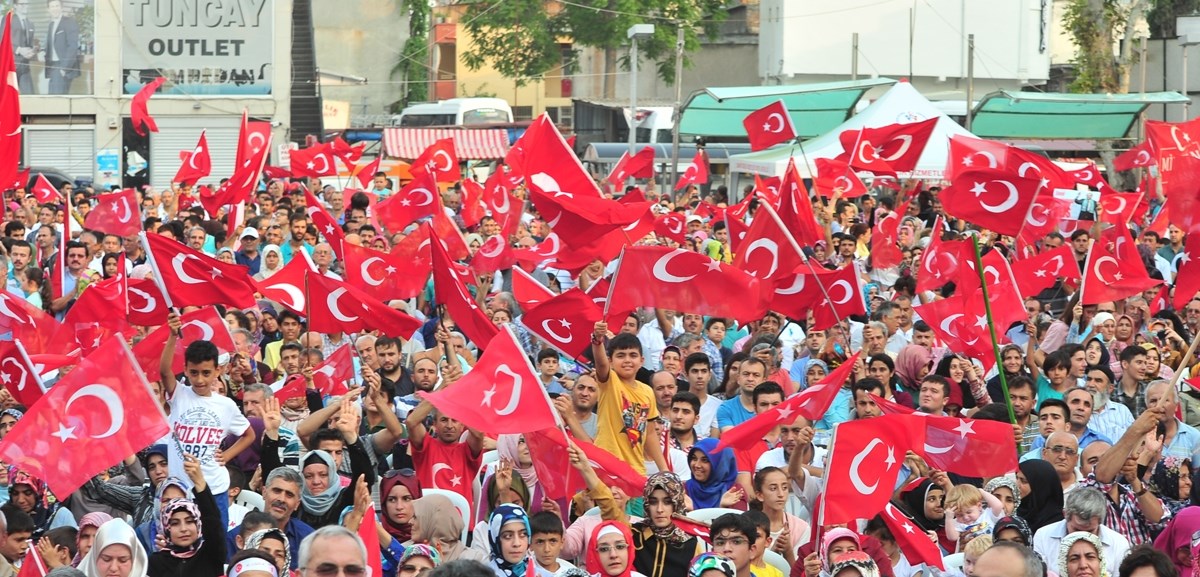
{"x":1012,"y":114}
{"x":815,"y":108}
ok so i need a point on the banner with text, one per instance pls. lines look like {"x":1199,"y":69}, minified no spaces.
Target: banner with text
{"x":203,"y":47}
{"x":54,"y":46}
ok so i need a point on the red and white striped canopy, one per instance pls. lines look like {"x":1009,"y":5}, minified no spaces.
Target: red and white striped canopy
{"x":469,"y":144}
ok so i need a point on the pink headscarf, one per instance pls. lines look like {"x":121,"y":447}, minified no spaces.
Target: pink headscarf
{"x":909,"y":362}
{"x":93,"y":519}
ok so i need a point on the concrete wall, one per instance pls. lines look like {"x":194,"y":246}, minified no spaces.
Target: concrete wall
{"x":365,"y":42}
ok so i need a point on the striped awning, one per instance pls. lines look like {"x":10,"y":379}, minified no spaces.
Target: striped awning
{"x":469,"y":144}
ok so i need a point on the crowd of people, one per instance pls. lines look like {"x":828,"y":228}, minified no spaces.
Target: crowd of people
{"x":1104,"y":421}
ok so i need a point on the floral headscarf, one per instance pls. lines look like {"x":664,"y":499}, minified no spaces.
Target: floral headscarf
{"x":708,"y":561}
{"x":503,"y":515}
{"x":420,"y":550}
{"x":1164,"y":482}
{"x":832,"y":536}
{"x":670,"y":483}
{"x":164,"y":526}
{"x":858,"y":560}
{"x":254,"y":541}
{"x":44,"y":508}
{"x":93,"y":519}
{"x":1070,"y":540}
{"x":1008,"y":483}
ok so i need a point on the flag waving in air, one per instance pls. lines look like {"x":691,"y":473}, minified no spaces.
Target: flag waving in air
{"x":769,"y":125}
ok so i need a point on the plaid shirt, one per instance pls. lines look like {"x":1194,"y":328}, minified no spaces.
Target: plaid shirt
{"x":1137,"y":404}
{"x":1125,"y":514}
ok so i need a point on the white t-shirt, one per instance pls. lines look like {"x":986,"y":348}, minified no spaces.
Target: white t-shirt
{"x":708,"y":417}
{"x":198,"y":425}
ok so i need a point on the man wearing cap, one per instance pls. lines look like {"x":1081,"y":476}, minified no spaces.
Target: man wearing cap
{"x":248,"y":254}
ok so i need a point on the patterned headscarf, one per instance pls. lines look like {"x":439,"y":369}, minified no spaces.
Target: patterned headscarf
{"x":420,"y":550}
{"x":503,"y":515}
{"x":1008,"y":483}
{"x":14,"y":413}
{"x":1164,"y":481}
{"x":254,"y":541}
{"x":1013,"y":522}
{"x":832,"y":536}
{"x":164,"y":526}
{"x":674,"y":487}
{"x":858,"y":560}
{"x":1070,"y":540}
{"x":44,"y":508}
{"x":706,"y":561}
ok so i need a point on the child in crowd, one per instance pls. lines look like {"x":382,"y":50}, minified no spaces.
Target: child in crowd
{"x":546,"y":542}
{"x":970,"y":512}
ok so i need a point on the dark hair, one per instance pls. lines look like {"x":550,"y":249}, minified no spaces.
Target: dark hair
{"x":689,"y":398}
{"x":696,"y":359}
{"x":64,"y":537}
{"x":921,"y":327}
{"x":198,"y":352}
{"x":760,"y":477}
{"x":1145,"y":555}
{"x":13,"y":226}
{"x":287,"y":314}
{"x":1021,"y":381}
{"x":755,"y":361}
{"x":325,"y":434}
{"x":869,"y":385}
{"x":546,"y":353}
{"x":1057,"y":360}
{"x":1078,"y":233}
{"x":545,"y":522}
{"x":291,"y":347}
{"x":931,"y":378}
{"x":1130,"y":353}
{"x":714,"y":320}
{"x":253,"y":521}
{"x":1062,"y":406}
{"x":760,"y":520}
{"x":387,"y":342}
{"x":18,"y":520}
{"x":1107,"y":371}
{"x":885,"y":359}
{"x":462,"y":568}
{"x":75,"y":244}
{"x":767,"y":388}
{"x":624,"y":341}
{"x":736,"y":522}
{"x":992,"y":412}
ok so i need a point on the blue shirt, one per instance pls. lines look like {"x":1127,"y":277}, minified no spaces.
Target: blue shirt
{"x":838,"y":412}
{"x":731,"y":413}
{"x":1184,"y":444}
{"x":1089,"y":436}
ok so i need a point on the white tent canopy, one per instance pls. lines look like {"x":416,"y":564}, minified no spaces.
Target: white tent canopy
{"x":901,"y":104}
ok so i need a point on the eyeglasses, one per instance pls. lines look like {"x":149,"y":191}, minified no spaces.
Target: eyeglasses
{"x":734,"y":541}
{"x":1063,"y":450}
{"x":405,"y":472}
{"x":331,"y":570}
{"x":605,"y":549}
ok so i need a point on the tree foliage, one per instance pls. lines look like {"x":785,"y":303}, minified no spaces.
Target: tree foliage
{"x":1162,"y":14}
{"x":1092,"y":25}
{"x":521,"y":38}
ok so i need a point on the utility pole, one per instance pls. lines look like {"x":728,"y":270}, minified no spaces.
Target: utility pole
{"x":970,"y":80}
{"x":678,"y":106}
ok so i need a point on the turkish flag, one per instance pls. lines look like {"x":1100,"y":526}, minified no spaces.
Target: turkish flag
{"x":10,"y":109}
{"x":640,"y":165}
{"x":1140,"y":156}
{"x":769,"y":125}
{"x":768,"y":189}
{"x":45,"y":192}
{"x":803,"y":295}
{"x":21,"y":180}
{"x":834,"y":178}
{"x":565,"y":322}
{"x":439,"y":161}
{"x":579,"y":221}
{"x":892,"y":148}
{"x":1176,"y":148}
{"x":330,"y":377}
{"x":116,"y":213}
{"x":1161,"y":300}
{"x":939,"y":262}
{"x":369,"y":533}
{"x":325,"y":223}
{"x":767,"y":251}
{"x":1090,"y":176}
{"x":19,"y":376}
{"x":65,"y":442}
{"x":342,"y":150}
{"x":501,"y":204}
{"x":98,"y":302}
{"x":968,"y":447}
{"x":366,"y":173}
{"x":1045,"y":213}
{"x":680,"y":280}
{"x":385,"y":276}
{"x":1187,"y":278}
{"x":493,"y":255}
{"x":199,"y":325}
{"x":414,"y":248}
{"x":1041,"y":271}
{"x":472,"y":210}
{"x":501,"y":394}
{"x":864,"y":460}
{"x":992,"y":199}
{"x":911,"y":539}
{"x":811,"y":403}
{"x":673,"y":226}
{"x":885,"y":252}
{"x":276,"y":172}
{"x":1106,"y":279}
{"x":418,"y":199}
{"x":549,"y":163}
{"x":314,"y":161}
{"x":891,"y":407}
{"x":196,"y":164}
{"x":1120,"y":206}
{"x":738,"y":229}
{"x":139,"y":111}
{"x":294,"y":387}
{"x":970,"y":153}
{"x":527,"y":290}
{"x":33,"y":565}
{"x":254,"y":145}
{"x":948,"y":319}
{"x":452,"y":293}
{"x":696,"y":173}
{"x":37,"y":330}
{"x":549,"y":448}
{"x":191,"y":278}
{"x":795,"y":208}
{"x":147,"y":307}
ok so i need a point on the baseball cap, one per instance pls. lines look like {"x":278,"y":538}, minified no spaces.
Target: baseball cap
{"x":695,"y":218}
{"x":250,"y":232}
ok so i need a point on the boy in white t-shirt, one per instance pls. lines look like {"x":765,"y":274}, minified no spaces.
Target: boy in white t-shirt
{"x":970,"y":512}
{"x":199,"y":419}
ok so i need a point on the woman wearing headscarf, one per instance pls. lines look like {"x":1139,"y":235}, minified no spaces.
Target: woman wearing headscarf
{"x":662,"y":549}
{"x":1176,"y":540}
{"x":923,"y":504}
{"x":88,"y":526}
{"x":29,"y":494}
{"x":417,"y":560}
{"x":818,"y":558}
{"x":711,"y":565}
{"x":437,"y":523}
{"x":714,"y":474}
{"x":508,"y":539}
{"x":1041,"y":494}
{"x":275,"y":543}
{"x":1012,"y":528}
{"x":1082,"y":555}
{"x":170,"y":489}
{"x":912,"y":364}
{"x":322,"y":496}
{"x":398,"y":490}
{"x":272,"y":261}
{"x":1012,"y":362}
{"x":193,"y":531}
{"x":801,"y":368}
{"x":1171,"y":481}
{"x":610,"y":551}
{"x":500,"y":487}
{"x":1006,"y":490}
{"x":854,"y":564}
{"x":512,"y":448}
{"x":115,"y":553}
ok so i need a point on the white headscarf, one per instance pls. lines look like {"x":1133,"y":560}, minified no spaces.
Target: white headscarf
{"x":263,"y":271}
{"x":115,"y":532}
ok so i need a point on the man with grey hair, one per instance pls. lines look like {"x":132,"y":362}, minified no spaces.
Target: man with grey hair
{"x":332,"y":550}
{"x":282,"y":497}
{"x":1083,"y":511}
{"x":1062,"y":451}
{"x":875,"y":339}
{"x":1182,"y":440}
{"x":1009,"y":559}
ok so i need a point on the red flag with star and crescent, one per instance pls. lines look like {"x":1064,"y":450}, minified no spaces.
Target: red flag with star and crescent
{"x":1039,"y":272}
{"x":864,"y":461}
{"x":769,"y":125}
{"x":18,"y":374}
{"x":696,"y":173}
{"x":500,"y":395}
{"x":682,"y":280}
{"x":115,"y":213}
{"x":990,"y":198}
{"x":911,"y":539}
{"x":527,"y":290}
{"x":196,"y":163}
{"x":386,"y":276}
{"x":189,"y":277}
{"x":330,"y":377}
{"x":1105,"y":278}
{"x":326,"y":225}
{"x":10,"y":110}
{"x":440,"y":161}
{"x":1187,"y":279}
{"x":968,"y":447}
{"x":811,"y":403}
{"x":452,"y":293}
{"x":565,"y":322}
{"x":98,"y":414}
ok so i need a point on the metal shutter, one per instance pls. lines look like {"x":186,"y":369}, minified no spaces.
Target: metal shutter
{"x":180,"y":133}
{"x":71,"y":149}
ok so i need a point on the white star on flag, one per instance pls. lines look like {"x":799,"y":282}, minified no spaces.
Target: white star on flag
{"x":64,"y":433}
{"x":965,"y":428}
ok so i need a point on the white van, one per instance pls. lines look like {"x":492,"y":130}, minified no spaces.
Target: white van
{"x":455,"y":112}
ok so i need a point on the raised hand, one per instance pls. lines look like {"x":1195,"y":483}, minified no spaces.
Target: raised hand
{"x":191,"y":467}
{"x":272,"y":416}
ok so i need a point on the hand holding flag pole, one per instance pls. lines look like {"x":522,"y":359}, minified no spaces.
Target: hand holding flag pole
{"x":987,"y":307}
{"x":803,"y":257}
{"x":158,"y":278}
